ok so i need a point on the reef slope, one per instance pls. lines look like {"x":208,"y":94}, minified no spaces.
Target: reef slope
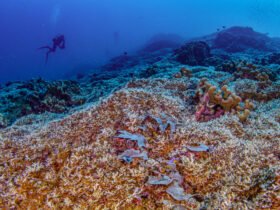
{"x":152,"y":135}
{"x":74,"y":162}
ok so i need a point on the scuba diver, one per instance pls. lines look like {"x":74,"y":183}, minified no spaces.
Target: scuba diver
{"x":58,"y":41}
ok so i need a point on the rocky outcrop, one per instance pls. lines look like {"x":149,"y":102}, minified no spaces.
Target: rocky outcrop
{"x":161,"y":42}
{"x":193,"y":53}
{"x":239,"y":39}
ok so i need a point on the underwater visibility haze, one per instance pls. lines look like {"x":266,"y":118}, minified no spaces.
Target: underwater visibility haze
{"x":98,"y":30}
{"x":151,"y":104}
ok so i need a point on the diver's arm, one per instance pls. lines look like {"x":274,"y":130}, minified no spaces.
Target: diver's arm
{"x":62,"y":46}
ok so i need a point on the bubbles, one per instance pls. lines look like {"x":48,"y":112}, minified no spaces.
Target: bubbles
{"x":56,"y":11}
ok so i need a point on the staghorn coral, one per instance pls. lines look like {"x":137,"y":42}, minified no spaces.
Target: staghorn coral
{"x":213,"y":103}
{"x":73,"y":162}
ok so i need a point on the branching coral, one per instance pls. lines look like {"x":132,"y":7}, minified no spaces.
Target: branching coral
{"x":213,"y":103}
{"x":259,"y":91}
{"x":245,"y":70}
{"x":76,"y":162}
{"x":253,"y":81}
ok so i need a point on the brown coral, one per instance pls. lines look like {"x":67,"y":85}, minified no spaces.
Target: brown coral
{"x":215,"y":103}
{"x":72,"y":163}
{"x":184,"y":72}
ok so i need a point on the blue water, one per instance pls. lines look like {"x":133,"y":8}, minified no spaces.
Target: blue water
{"x":97,"y":30}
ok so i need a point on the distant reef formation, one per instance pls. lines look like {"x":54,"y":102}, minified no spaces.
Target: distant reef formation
{"x":18,"y":99}
{"x":241,"y":39}
{"x":222,"y":50}
{"x":161,"y":42}
{"x":193,"y":53}
{"x":226,"y":50}
{"x":195,"y":126}
{"x":37,"y":96}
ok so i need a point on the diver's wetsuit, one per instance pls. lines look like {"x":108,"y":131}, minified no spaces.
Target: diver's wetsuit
{"x":58,"y":41}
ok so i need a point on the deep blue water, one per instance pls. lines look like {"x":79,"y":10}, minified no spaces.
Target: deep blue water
{"x":97,"y":30}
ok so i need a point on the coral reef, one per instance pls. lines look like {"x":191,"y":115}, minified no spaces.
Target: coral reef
{"x":3,"y":121}
{"x":252,"y":81}
{"x":213,"y":103}
{"x":244,"y":40}
{"x":38,"y":96}
{"x":120,"y":62}
{"x":274,"y":58}
{"x":146,"y":132}
{"x":161,"y":42}
{"x":75,"y":162}
{"x":267,"y":59}
{"x":239,"y":39}
{"x":192,"y":53}
{"x":184,"y":72}
{"x":258,"y":91}
{"x":150,"y":71}
{"x":245,"y":70}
